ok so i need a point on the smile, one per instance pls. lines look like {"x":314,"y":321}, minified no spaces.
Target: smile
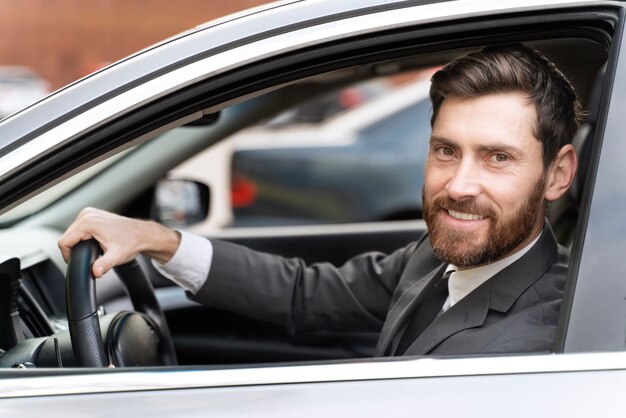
{"x":465,"y":216}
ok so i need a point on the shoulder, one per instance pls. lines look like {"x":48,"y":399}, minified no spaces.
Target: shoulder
{"x":551,"y":285}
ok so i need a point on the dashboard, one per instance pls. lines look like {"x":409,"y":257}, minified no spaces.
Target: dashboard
{"x":33,"y":314}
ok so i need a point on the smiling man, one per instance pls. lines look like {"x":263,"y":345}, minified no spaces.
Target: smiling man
{"x":487,"y":278}
{"x":485,"y":181}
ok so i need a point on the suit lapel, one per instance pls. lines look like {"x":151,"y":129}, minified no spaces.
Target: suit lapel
{"x":405,"y":304}
{"x":499,"y":293}
{"x":470,"y":312}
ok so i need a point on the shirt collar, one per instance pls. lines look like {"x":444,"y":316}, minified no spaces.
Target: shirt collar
{"x":463,"y":282}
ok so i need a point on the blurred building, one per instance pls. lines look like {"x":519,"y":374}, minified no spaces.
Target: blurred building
{"x":63,"y":40}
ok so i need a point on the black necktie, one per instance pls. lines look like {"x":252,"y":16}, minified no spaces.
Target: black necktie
{"x":425,"y":313}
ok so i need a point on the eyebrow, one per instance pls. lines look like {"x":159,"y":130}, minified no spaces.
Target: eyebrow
{"x":510,"y":149}
{"x":441,"y":140}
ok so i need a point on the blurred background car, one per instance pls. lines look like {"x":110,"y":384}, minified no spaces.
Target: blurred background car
{"x":20,"y":86}
{"x":362,"y":165}
{"x":324,"y":107}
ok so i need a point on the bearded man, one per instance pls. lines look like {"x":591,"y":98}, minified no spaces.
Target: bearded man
{"x":487,"y":278}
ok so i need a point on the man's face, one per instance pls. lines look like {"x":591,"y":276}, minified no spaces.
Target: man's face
{"x":484,"y":179}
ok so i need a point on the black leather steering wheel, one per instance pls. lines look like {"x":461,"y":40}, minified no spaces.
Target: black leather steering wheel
{"x":145,"y":331}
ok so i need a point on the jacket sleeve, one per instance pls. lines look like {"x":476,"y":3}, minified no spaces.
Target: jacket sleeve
{"x":320,"y":296}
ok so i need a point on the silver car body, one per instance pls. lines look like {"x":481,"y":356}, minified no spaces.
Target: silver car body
{"x":566,"y":384}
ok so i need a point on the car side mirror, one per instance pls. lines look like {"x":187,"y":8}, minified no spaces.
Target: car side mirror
{"x":180,"y":202}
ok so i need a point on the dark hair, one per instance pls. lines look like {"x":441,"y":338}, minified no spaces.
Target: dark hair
{"x":500,"y":69}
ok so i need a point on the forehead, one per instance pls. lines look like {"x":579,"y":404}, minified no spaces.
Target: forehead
{"x":503,"y":118}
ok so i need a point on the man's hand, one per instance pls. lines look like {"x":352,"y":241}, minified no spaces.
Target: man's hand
{"x":121,"y":239}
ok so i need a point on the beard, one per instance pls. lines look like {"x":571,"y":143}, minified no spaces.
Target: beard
{"x":471,"y":249}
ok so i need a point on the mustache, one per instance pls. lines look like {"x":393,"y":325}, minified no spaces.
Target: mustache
{"x":465,"y":206}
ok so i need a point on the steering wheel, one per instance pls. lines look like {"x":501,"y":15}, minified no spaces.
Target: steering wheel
{"x":139,"y":338}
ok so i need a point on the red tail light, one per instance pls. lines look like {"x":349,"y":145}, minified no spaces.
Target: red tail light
{"x":351,"y":97}
{"x":243,"y":192}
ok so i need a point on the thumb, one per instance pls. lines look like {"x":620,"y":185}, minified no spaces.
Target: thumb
{"x":100,"y":267}
{"x":104,"y":263}
{"x":111,"y":258}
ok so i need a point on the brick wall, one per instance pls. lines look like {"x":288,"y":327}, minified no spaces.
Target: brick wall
{"x":66,"y":39}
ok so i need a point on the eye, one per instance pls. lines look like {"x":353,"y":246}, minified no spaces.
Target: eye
{"x":446,"y":151}
{"x":499,"y":157}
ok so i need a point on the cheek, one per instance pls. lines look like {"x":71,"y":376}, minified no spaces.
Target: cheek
{"x":509,"y":195}
{"x":434,"y":178}
{"x":432,"y":186}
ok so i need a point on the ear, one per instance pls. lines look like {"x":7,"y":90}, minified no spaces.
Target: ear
{"x":561,"y":173}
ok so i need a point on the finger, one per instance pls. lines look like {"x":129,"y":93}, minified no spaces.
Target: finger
{"x":106,"y":262}
{"x":80,"y":230}
{"x":103,"y":264}
{"x":99,"y":268}
{"x":69,"y":240}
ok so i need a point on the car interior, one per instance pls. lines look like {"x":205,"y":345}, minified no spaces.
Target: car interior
{"x":141,"y":148}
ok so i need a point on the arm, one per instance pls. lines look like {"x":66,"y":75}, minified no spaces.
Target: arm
{"x":354,"y":297}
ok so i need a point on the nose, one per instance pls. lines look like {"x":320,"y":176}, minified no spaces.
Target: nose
{"x":465,"y":182}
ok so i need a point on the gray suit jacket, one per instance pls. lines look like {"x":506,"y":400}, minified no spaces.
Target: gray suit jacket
{"x":514,"y":311}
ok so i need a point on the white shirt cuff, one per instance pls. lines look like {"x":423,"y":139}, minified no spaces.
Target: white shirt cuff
{"x":190,"y":265}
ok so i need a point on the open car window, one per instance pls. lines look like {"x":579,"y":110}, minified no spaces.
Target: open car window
{"x":354,"y":153}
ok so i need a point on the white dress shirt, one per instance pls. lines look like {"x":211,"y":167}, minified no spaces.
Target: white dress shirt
{"x":462,"y":282}
{"x":190,"y":265}
{"x":189,"y":268}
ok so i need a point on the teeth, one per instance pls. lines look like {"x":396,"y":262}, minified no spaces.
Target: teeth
{"x":465,"y":216}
